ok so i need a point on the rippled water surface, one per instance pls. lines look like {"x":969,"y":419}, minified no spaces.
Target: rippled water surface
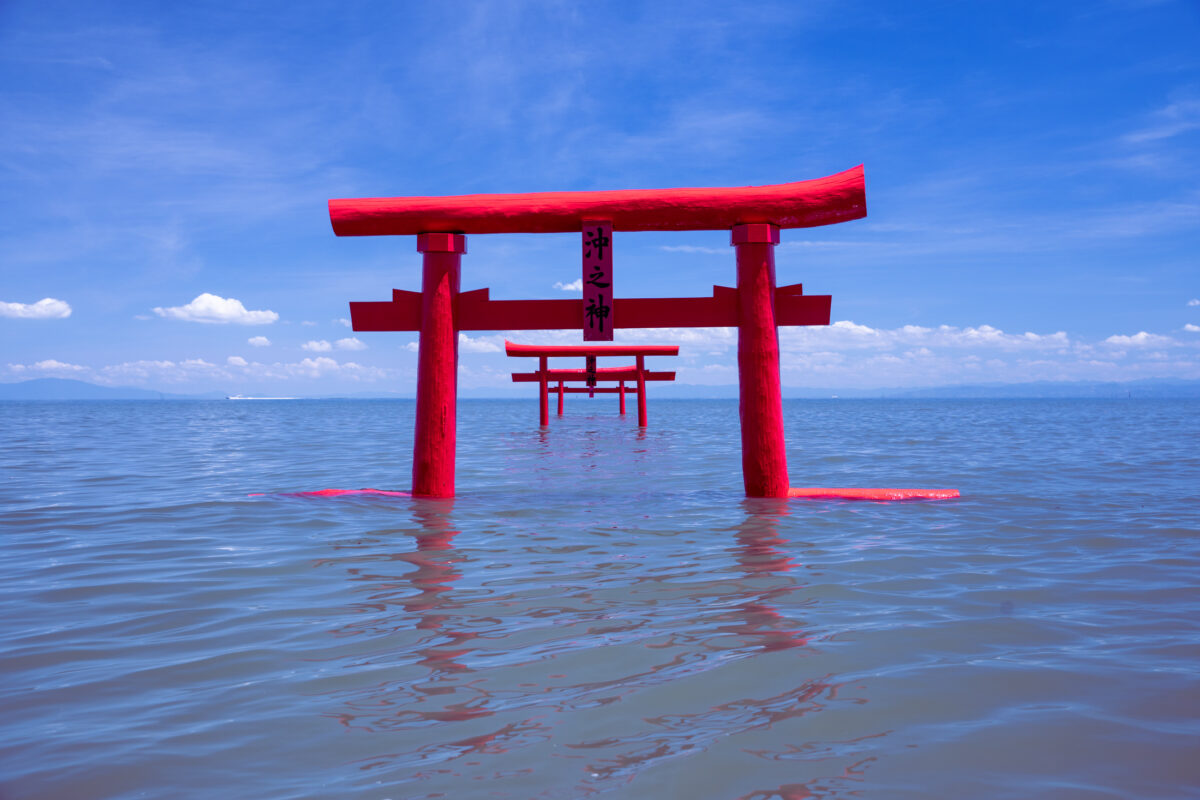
{"x":601,"y":611}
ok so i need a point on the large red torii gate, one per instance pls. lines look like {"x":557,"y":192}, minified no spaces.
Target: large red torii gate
{"x":754,"y":215}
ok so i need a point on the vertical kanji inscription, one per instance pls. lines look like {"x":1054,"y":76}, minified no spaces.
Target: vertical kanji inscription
{"x":597,"y":281}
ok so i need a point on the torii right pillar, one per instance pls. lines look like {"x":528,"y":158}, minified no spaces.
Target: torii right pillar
{"x":760,"y":399}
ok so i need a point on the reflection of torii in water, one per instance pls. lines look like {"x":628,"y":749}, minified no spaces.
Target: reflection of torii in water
{"x":760,"y":552}
{"x":436,"y":570}
{"x":435,"y":563}
{"x":756,"y":551}
{"x":385,"y":707}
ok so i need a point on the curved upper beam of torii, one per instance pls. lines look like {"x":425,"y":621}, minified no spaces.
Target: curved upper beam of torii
{"x":803,"y":204}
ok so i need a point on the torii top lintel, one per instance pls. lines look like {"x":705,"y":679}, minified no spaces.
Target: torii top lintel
{"x":803,"y":204}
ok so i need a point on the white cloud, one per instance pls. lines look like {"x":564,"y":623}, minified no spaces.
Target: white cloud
{"x":309,"y":324}
{"x":1190,"y":328}
{"x":49,"y":365}
{"x":850,"y":328}
{"x":259,"y":341}
{"x":46,"y":308}
{"x":691,"y":248}
{"x":478,"y":345}
{"x":139,"y":369}
{"x":574,"y":286}
{"x":823,"y":243}
{"x":1194,"y":302}
{"x":211,"y":308}
{"x":352,"y":343}
{"x":848,"y":335}
{"x":1140,"y":339}
{"x":1173,"y":120}
{"x":313,"y":367}
{"x":323,"y":366}
{"x":178,"y":372}
{"x":693,"y":341}
{"x":317,"y":346}
{"x":194,"y":370}
{"x":342,"y":321}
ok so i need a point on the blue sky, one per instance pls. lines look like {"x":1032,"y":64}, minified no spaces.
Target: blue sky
{"x":1033,"y":180}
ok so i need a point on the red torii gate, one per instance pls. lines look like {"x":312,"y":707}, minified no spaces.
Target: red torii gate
{"x":544,"y":375}
{"x":754,"y":215}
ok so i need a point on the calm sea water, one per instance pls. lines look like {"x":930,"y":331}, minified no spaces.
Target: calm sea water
{"x":601,"y":611}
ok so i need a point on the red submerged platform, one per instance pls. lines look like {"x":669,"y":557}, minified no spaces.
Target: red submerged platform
{"x":339,"y":493}
{"x":816,"y":493}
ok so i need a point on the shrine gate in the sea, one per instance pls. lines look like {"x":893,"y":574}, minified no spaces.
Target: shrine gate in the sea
{"x":754,"y":217}
{"x":591,"y":374}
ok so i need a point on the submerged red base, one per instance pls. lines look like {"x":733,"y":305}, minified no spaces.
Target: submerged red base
{"x":817,"y":493}
{"x":340,"y":492}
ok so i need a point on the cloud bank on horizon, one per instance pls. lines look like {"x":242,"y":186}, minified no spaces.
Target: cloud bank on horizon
{"x":827,"y":357}
{"x":1032,"y":174}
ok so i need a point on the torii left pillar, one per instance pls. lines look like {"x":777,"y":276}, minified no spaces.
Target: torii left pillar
{"x":437,"y":365}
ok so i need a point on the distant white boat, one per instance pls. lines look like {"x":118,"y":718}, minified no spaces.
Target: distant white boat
{"x":243,"y":397}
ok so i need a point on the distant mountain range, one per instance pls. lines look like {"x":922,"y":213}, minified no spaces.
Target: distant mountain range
{"x":65,"y":389}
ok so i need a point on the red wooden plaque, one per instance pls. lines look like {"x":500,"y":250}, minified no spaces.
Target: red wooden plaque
{"x":597,"y":281}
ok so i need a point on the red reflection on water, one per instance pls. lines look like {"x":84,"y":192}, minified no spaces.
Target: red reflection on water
{"x":510,"y":737}
{"x":762,"y":556}
{"x":790,"y":791}
{"x":758,"y":539}
{"x":818,"y":787}
{"x":435,"y":561}
{"x":758,"y":553}
{"x":673,"y":735}
{"x":393,"y":705}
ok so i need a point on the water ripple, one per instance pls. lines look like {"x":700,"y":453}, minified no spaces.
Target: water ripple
{"x":600,"y":611}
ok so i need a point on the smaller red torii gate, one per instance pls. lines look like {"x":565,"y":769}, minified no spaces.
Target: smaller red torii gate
{"x":591,"y":373}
